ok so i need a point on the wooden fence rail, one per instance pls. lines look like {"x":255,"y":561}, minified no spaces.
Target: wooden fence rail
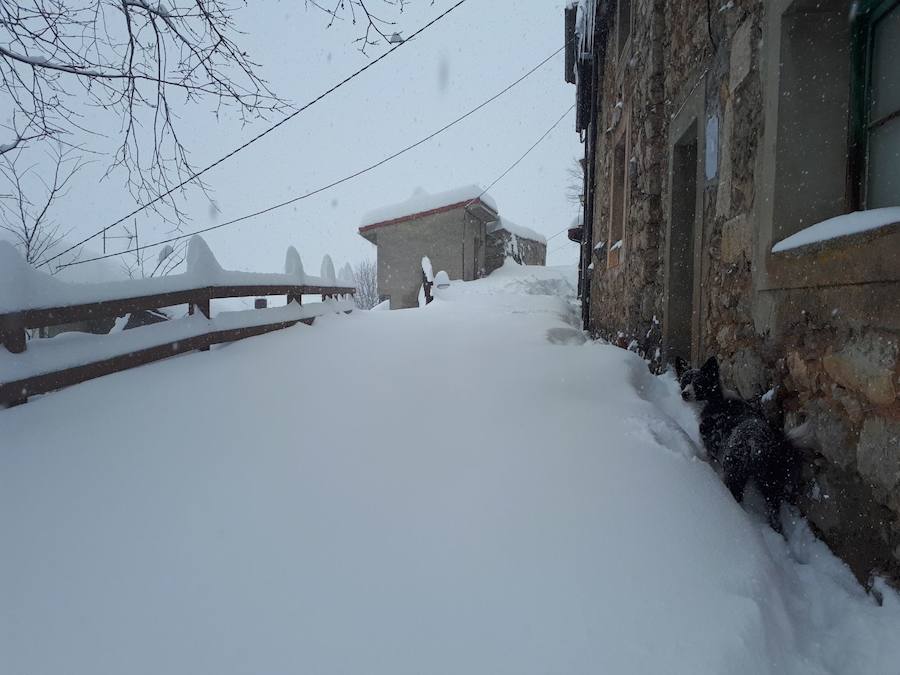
{"x":17,"y":384}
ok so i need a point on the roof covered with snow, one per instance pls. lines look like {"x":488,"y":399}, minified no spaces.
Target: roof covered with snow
{"x":518,"y":230}
{"x":424,"y":203}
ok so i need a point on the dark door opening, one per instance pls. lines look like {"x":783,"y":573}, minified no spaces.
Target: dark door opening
{"x":680,"y":305}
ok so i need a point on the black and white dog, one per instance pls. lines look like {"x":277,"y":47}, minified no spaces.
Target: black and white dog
{"x":741,"y":441}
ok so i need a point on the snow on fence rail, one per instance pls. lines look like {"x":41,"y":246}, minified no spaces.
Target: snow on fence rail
{"x":31,"y":299}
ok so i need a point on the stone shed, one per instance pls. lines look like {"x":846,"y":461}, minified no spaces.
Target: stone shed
{"x":505,"y":239}
{"x":460,"y":230}
{"x":742,"y":178}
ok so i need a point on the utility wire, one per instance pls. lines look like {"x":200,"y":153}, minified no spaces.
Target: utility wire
{"x":243,"y":146}
{"x":562,"y":246}
{"x":527,"y":152}
{"x":349,"y":177}
{"x":554,"y":236}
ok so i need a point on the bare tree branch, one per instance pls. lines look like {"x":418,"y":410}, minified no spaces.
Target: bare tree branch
{"x":357,"y":12}
{"x":141,"y":60}
{"x":365,"y":277}
{"x":575,"y":182}
{"x":129,"y":57}
{"x":28,"y":219}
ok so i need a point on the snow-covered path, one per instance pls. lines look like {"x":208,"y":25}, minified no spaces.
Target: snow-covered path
{"x":466,"y":488}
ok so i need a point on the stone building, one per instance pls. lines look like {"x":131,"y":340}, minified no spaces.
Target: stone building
{"x":720,"y":141}
{"x":461,"y":232}
{"x":505,"y":239}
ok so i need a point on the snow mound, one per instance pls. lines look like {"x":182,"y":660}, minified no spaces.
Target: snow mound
{"x":293,"y":265}
{"x":22,"y":287}
{"x":421,"y":201}
{"x":840,"y":226}
{"x":20,"y":284}
{"x":346,"y":274}
{"x":200,"y":261}
{"x":327,"y":270}
{"x":442,"y":279}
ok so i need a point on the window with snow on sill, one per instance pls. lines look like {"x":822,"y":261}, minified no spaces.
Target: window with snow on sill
{"x":840,"y":226}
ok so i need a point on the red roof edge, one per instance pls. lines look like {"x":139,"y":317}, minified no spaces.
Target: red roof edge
{"x":422,"y":214}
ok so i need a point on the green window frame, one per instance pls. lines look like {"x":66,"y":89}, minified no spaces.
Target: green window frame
{"x":863,"y":123}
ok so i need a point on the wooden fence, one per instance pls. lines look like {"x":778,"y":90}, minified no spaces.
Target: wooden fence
{"x":182,"y":335}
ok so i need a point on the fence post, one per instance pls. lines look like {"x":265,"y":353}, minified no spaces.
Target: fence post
{"x":202,"y":303}
{"x":12,"y":332}
{"x":426,"y":284}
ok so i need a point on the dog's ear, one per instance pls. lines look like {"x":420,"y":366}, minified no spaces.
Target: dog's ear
{"x":681,"y":366}
{"x":711,"y":367}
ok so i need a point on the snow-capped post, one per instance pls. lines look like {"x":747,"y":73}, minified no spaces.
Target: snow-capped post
{"x":345,"y":276}
{"x":203,"y":266}
{"x":293,"y":266}
{"x":427,"y":278}
{"x":327,"y":274}
{"x":442,"y":280}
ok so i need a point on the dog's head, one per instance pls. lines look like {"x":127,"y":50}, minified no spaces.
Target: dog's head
{"x":698,"y":384}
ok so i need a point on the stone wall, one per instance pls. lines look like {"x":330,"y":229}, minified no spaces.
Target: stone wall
{"x":501,"y":244}
{"x":818,"y":328}
{"x":836,"y":365}
{"x":733,"y":92}
{"x":626,"y":287}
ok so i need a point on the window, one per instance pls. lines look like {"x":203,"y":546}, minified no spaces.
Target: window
{"x":811,"y":74}
{"x":875,"y":160}
{"x":623,"y":25}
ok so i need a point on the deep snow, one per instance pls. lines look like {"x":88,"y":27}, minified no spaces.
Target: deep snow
{"x":469,"y":487}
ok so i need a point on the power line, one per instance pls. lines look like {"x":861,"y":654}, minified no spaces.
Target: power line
{"x":562,"y":246}
{"x":243,"y":146}
{"x":345,"y":178}
{"x":526,"y":153}
{"x":554,"y":236}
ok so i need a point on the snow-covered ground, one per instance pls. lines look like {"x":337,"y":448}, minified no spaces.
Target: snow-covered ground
{"x":469,"y":487}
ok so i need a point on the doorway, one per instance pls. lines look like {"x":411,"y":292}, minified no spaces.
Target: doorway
{"x":681,"y":306}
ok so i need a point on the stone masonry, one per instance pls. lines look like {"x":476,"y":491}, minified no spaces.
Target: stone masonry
{"x":811,"y":333}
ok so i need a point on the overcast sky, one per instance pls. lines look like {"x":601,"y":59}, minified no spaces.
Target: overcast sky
{"x":465,"y":58}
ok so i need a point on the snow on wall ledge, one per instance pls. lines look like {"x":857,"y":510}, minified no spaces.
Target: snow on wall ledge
{"x":840,"y":226}
{"x":22,"y":287}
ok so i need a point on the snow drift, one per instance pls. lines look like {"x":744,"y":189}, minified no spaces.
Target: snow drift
{"x":507,"y":498}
